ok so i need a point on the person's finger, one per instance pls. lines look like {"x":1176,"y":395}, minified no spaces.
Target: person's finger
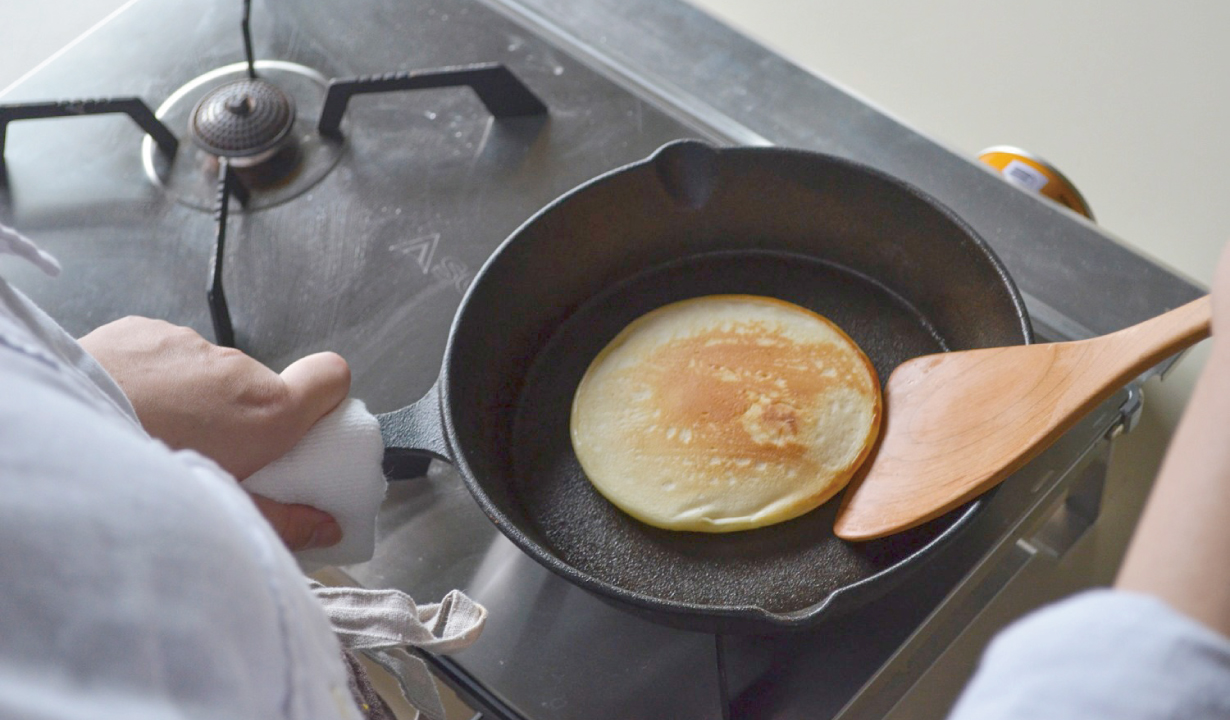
{"x":317,"y":383}
{"x":301,"y":527}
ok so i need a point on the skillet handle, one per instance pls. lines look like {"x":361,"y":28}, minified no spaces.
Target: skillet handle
{"x":413,"y":436}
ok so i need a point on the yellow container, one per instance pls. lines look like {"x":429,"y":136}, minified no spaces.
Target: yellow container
{"x":1028,"y":171}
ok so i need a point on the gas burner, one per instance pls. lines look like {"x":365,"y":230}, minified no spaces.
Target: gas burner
{"x":268,"y":137}
{"x":249,"y":142}
{"x":245,"y":121}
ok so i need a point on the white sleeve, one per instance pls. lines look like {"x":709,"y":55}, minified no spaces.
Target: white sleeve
{"x":1102,"y":654}
{"x":136,"y":582}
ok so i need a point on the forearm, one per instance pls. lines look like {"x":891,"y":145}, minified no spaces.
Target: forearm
{"x":1179,"y":550}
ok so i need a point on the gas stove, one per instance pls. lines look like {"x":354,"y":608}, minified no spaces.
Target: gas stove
{"x":360,"y":232}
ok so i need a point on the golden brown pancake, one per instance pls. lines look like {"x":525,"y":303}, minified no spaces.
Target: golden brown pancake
{"x":724,"y":413}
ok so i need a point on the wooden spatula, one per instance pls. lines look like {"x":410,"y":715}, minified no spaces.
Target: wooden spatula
{"x":956,"y":424}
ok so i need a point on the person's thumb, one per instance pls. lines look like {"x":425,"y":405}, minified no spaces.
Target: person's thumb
{"x":317,"y":384}
{"x":301,"y":527}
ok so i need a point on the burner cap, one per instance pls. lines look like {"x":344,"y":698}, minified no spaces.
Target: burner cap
{"x":242,"y":118}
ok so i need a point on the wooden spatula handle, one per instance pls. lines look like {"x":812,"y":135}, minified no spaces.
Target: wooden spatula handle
{"x":1148,"y":343}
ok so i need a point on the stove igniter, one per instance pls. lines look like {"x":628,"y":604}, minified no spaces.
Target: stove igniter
{"x":246,"y":121}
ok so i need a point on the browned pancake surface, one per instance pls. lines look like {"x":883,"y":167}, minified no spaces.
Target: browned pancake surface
{"x":725,"y":413}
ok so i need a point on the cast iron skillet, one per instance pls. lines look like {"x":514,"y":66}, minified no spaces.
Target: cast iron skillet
{"x":897,"y":271}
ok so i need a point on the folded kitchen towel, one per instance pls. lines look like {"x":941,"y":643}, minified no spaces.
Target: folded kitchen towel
{"x":336,"y":467}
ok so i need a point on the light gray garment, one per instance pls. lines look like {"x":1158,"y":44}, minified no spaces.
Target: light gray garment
{"x":1100,"y":655}
{"x":137,"y":582}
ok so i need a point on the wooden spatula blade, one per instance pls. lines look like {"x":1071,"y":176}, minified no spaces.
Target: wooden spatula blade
{"x":957,"y":424}
{"x":939,"y":448}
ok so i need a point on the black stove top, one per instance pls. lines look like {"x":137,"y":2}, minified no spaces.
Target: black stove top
{"x":368,"y":248}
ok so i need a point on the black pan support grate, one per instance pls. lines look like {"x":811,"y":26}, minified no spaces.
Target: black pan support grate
{"x":133,"y":107}
{"x":228,"y":186}
{"x":501,"y":92}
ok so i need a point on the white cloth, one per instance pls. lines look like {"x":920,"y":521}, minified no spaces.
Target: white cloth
{"x":136,"y":582}
{"x":336,"y":467}
{"x":1102,"y":655}
{"x":382,"y":623}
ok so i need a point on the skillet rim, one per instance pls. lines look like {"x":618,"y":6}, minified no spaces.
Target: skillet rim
{"x":740,"y":618}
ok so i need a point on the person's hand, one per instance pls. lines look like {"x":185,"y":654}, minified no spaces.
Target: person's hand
{"x":192,"y":394}
{"x":1221,"y":301}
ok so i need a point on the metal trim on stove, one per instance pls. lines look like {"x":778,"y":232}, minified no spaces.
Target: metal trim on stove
{"x":1059,"y":518}
{"x":471,"y":692}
